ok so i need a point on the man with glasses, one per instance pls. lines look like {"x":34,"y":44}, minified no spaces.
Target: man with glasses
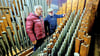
{"x":51,"y":21}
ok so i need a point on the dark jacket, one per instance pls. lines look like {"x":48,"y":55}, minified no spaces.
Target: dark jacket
{"x":35,"y":27}
{"x":51,"y":22}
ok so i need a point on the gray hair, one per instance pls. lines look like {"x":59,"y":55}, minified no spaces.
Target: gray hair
{"x":37,"y":7}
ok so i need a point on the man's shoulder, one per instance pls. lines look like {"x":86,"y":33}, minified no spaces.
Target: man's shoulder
{"x":31,"y":16}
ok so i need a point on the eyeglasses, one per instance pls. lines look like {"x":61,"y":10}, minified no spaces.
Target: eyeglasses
{"x":51,"y":12}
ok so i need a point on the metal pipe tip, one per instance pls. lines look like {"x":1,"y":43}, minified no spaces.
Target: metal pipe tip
{"x":25,"y":4}
{"x":4,"y":32}
{"x":7,"y":12}
{"x":3,"y":17}
{"x":7,"y":27}
{"x":0,"y":37}
{"x":1,"y":20}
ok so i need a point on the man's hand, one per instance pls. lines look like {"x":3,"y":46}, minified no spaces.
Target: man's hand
{"x":47,"y":33}
{"x":34,"y":42}
{"x":64,"y":14}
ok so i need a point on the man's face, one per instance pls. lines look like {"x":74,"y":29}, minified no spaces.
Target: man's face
{"x":51,"y":13}
{"x":39,"y":11}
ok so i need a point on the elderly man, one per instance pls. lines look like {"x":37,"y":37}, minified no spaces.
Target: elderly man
{"x":35,"y":27}
{"x":51,"y":21}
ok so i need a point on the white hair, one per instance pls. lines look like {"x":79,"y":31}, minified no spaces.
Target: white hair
{"x":37,"y":7}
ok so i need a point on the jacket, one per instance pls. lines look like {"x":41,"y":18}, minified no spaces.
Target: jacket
{"x":52,"y":22}
{"x":35,"y":27}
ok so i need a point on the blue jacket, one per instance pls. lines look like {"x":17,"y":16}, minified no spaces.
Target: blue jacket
{"x":51,"y":22}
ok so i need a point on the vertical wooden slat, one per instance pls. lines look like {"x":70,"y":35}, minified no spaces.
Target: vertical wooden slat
{"x":0,"y":30}
{"x":81,"y":5}
{"x":2,"y":25}
{"x":5,"y":21}
{"x":78,"y":44}
{"x":69,"y":5}
{"x":74,"y":5}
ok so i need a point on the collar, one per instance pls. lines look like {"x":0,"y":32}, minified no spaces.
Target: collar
{"x":37,"y":15}
{"x":51,"y":16}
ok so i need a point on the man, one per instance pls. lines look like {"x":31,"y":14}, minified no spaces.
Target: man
{"x":35,"y":27}
{"x":51,"y":21}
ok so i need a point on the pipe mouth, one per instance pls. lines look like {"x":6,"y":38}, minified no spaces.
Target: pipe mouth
{"x":4,"y":32}
{"x":1,"y":20}
{"x":3,"y":17}
{"x":76,"y":54}
{"x":1,"y":37}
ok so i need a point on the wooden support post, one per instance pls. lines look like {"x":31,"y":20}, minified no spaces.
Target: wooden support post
{"x":84,"y":49}
{"x":78,"y":42}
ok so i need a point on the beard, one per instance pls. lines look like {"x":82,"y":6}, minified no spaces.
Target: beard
{"x":51,"y":14}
